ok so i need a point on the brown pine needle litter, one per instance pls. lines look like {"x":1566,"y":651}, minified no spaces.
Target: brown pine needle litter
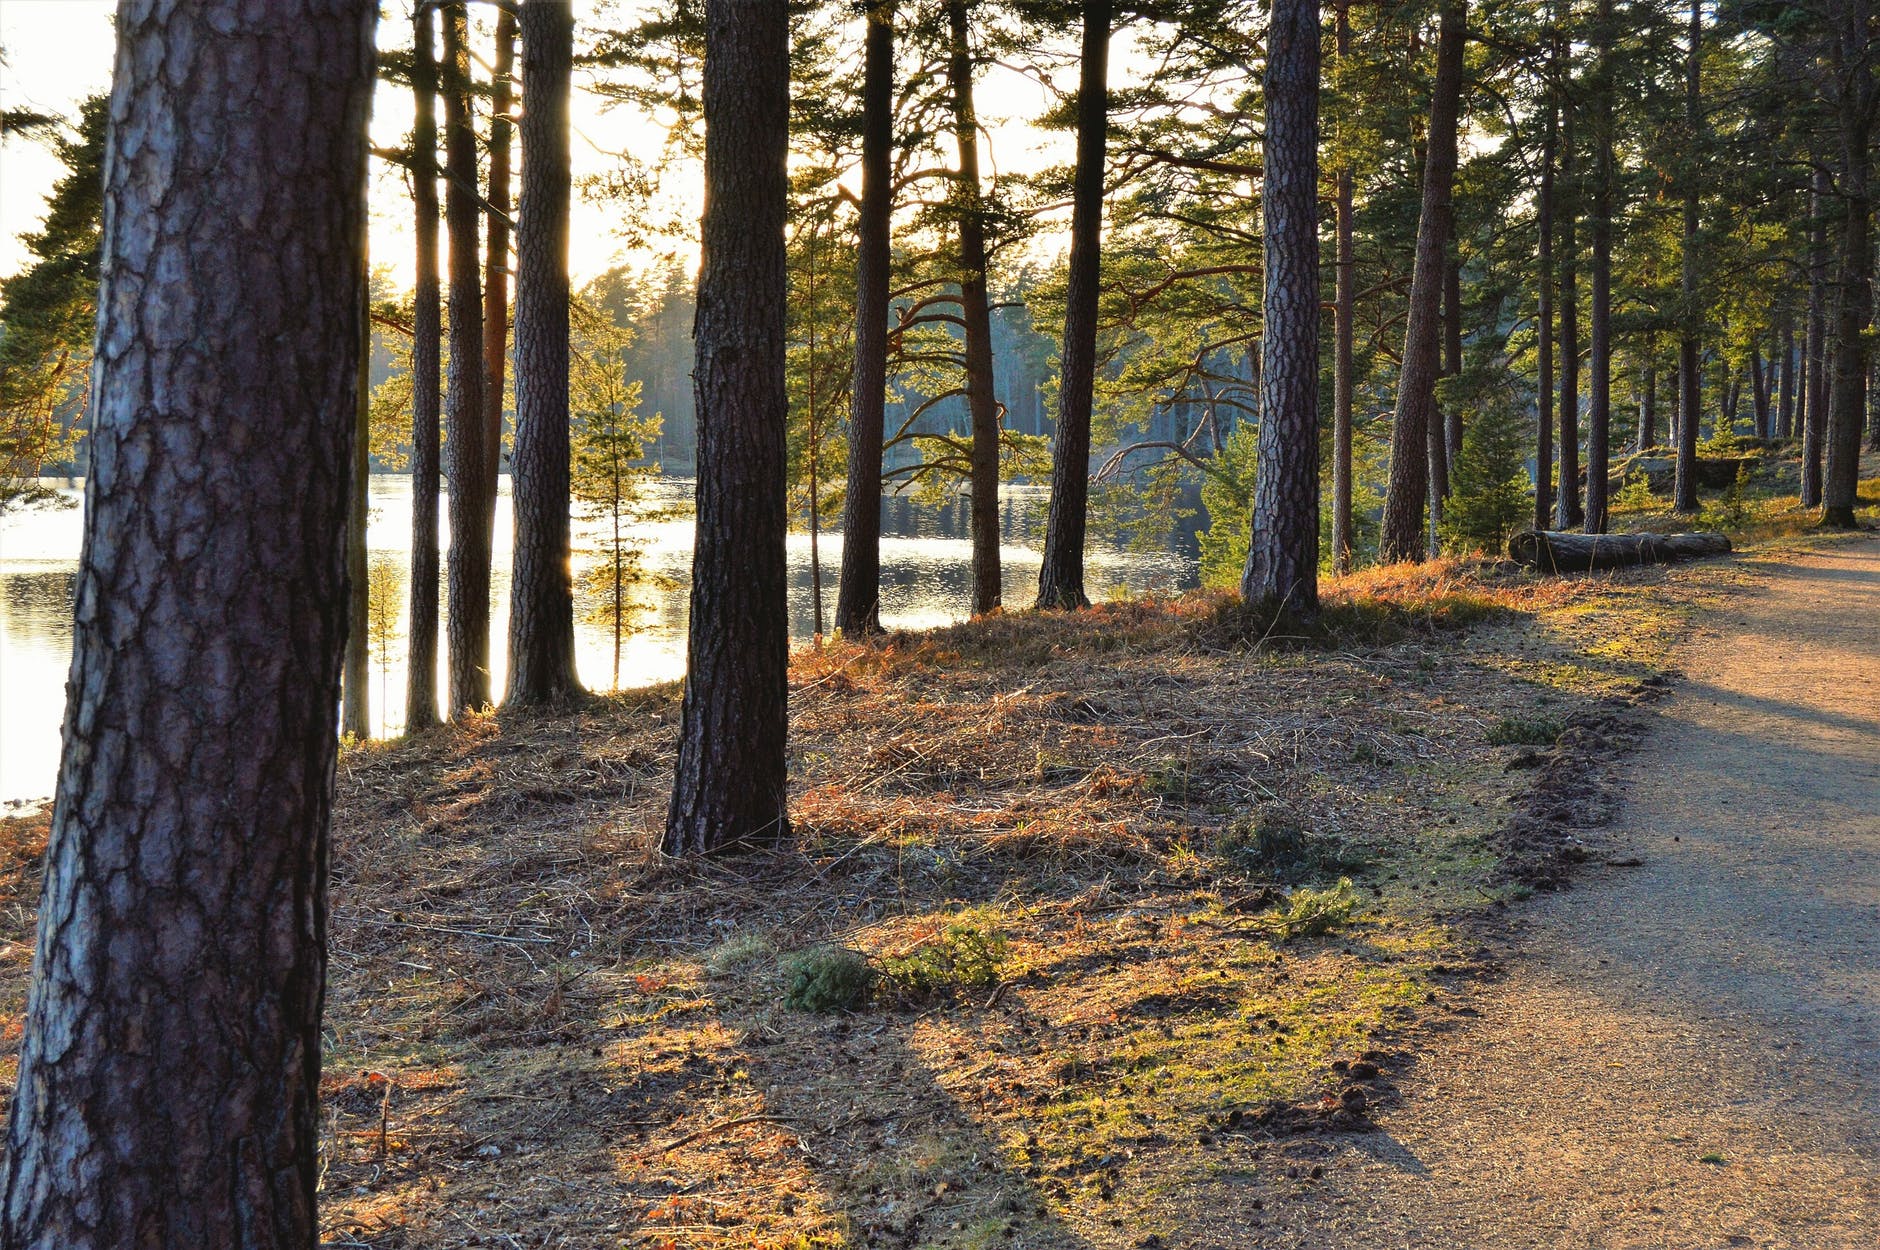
{"x":542,"y":1033}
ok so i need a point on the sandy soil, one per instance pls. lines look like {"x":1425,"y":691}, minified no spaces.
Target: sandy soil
{"x":1684,"y":1053}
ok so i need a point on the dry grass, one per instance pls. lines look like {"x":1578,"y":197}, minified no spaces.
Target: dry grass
{"x":541,"y":1033}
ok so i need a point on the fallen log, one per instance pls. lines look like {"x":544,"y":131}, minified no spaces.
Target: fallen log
{"x":1553,"y":551}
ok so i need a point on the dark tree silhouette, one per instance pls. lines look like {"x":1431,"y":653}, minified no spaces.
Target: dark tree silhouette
{"x":426,"y":334}
{"x":1684,"y":482}
{"x":1851,"y":58}
{"x":1343,"y":306}
{"x":496,"y":262}
{"x":729,"y":788}
{"x":858,"y":599}
{"x":541,"y":603}
{"x":170,"y":1068}
{"x":1410,"y":440}
{"x":1061,"y":578}
{"x":1283,"y":552}
{"x":1599,"y":415}
{"x":1544,"y":300}
{"x":1568,"y":512}
{"x":464,"y":412}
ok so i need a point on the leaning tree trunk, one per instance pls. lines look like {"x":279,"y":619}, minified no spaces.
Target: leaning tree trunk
{"x":426,"y":333}
{"x":858,"y":599}
{"x":1599,"y":416}
{"x":1416,"y":388}
{"x":1854,"y":306}
{"x":975,"y":310}
{"x":1282,"y":568}
{"x":496,"y":264}
{"x":169,"y":1071}
{"x":1684,"y":481}
{"x":541,"y":600}
{"x":464,"y":413}
{"x":729,"y":788}
{"x":1061,"y":578}
{"x":355,"y":716}
{"x":1342,"y":308}
{"x":1815,"y":393}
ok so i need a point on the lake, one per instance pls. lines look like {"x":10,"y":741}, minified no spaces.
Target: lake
{"x":925,"y":576}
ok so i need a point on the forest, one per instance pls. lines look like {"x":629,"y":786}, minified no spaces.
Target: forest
{"x":1461,"y":337}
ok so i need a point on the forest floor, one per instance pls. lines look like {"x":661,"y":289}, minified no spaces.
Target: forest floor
{"x":1181,"y":931}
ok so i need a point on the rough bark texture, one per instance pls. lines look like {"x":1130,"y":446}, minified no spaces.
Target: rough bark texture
{"x":1343,"y":306}
{"x":1416,"y":389}
{"x":1452,"y":346}
{"x":541,"y":600}
{"x":729,"y":789}
{"x":464,"y":413}
{"x":1599,"y":414}
{"x":1568,"y":512}
{"x":1785,"y":381}
{"x":975,"y":311}
{"x":1647,"y":407}
{"x":496,"y":262}
{"x":858,"y":599}
{"x":1684,"y":481}
{"x":426,"y":333}
{"x":1759,"y":392}
{"x":1544,"y":328}
{"x":1568,"y":552}
{"x":1853,"y":66}
{"x":1283,"y":549}
{"x":170,"y":1066}
{"x":1061,"y":578}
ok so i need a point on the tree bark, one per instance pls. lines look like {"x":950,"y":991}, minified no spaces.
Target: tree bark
{"x":426,"y":335}
{"x":1568,"y":513}
{"x":465,"y":416}
{"x":1684,"y":481}
{"x":496,"y":263}
{"x":1061,"y":577}
{"x":1568,"y":552}
{"x":541,"y":601}
{"x":1759,"y":392}
{"x":858,"y":598}
{"x":1544,"y":311}
{"x":170,"y":1066}
{"x":1648,"y":406}
{"x":1416,"y":389}
{"x":1343,"y":308}
{"x":1282,"y":568}
{"x":1452,"y":347}
{"x":976,"y":312}
{"x":1815,"y":393}
{"x":1599,"y":417}
{"x":729,"y":788}
{"x":1853,"y":64}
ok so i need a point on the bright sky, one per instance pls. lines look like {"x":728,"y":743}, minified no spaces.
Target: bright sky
{"x":60,"y":51}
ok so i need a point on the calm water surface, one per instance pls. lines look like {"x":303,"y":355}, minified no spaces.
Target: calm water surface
{"x":925,"y":573}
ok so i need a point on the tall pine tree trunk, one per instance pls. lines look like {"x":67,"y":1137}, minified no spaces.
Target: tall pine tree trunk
{"x":976,"y":312}
{"x":1342,"y":309}
{"x":1599,"y":415}
{"x":465,"y":416}
{"x":426,"y":334}
{"x":1684,"y":487}
{"x":1853,"y":65}
{"x":1568,"y":513}
{"x":496,"y":263}
{"x":1544,"y":310}
{"x":1452,"y":347}
{"x":858,"y":598}
{"x":1061,"y":578}
{"x":541,"y":602}
{"x":1785,"y":379}
{"x":1759,"y":391}
{"x":1282,"y":568}
{"x":729,"y":787}
{"x":1416,"y":389}
{"x":1815,"y":392}
{"x":1647,"y":404}
{"x":169,"y":1073}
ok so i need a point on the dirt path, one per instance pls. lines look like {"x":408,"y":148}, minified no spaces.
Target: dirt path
{"x":1685,"y":1054}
